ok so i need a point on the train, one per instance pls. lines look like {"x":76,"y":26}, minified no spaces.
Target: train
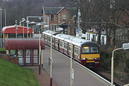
{"x":83,"y":51}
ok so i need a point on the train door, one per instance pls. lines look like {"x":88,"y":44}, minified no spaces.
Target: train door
{"x":70,"y":50}
{"x":65,"y":47}
{"x":54,"y":43}
{"x":58,"y":41}
{"x":49,"y":40}
{"x":61,"y":45}
{"x":77,"y":53}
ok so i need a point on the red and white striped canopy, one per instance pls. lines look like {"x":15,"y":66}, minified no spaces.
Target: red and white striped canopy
{"x":17,"y":29}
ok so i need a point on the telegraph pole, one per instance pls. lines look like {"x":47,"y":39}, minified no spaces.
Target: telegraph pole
{"x":1,"y":14}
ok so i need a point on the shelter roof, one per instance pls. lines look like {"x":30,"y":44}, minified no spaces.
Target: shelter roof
{"x":21,"y":44}
{"x":16,"y":29}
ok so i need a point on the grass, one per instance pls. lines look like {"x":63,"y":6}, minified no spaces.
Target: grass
{"x":14,"y":75}
{"x":2,"y":49}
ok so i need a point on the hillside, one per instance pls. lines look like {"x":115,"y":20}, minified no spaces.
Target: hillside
{"x":13,"y":75}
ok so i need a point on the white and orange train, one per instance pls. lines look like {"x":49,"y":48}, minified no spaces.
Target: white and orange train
{"x":84,"y":51}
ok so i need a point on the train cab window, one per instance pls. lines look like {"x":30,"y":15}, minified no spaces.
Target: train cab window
{"x":85,"y":50}
{"x":94,"y":50}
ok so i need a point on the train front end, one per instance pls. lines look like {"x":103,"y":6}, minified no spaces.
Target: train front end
{"x":90,"y":55}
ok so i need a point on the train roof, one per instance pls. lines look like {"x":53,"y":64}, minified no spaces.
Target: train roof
{"x":72,"y":39}
{"x":49,"y":32}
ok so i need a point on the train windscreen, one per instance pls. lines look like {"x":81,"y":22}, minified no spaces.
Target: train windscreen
{"x":94,"y":50}
{"x":90,"y":50}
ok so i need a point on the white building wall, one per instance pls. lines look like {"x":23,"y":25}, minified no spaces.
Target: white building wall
{"x":94,"y":37}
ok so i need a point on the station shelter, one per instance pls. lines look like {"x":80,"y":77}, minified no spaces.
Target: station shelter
{"x":28,"y":52}
{"x":16,"y":31}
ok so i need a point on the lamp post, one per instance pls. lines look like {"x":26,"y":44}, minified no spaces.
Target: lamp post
{"x":27,"y":23}
{"x":125,"y":46}
{"x":16,"y":27}
{"x":23,"y":20}
{"x":71,"y":71}
{"x":39,"y":54}
{"x":1,"y":22}
{"x":51,"y":62}
{"x":112,"y":65}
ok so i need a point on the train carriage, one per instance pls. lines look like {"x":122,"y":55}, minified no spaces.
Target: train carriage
{"x":81,"y":50}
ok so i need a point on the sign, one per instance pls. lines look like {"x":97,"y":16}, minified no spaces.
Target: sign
{"x":126,"y":85}
{"x":125,"y":46}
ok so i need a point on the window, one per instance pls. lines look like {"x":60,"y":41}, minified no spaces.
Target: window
{"x":94,"y":50}
{"x":88,"y":36}
{"x":94,"y":38}
{"x":83,"y":37}
{"x":20,"y":57}
{"x":65,"y":45}
{"x":52,"y":17}
{"x":61,"y":43}
{"x":35,"y":57}
{"x":27,"y":56}
{"x":69,"y":48}
{"x":12,"y":53}
{"x":102,"y":40}
{"x":85,"y":50}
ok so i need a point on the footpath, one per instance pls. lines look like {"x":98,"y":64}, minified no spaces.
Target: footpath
{"x":43,"y":77}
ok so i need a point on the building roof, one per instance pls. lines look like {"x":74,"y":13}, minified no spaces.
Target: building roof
{"x":57,"y":10}
{"x":52,"y":10}
{"x":16,"y":29}
{"x":21,"y":44}
{"x":72,"y":10}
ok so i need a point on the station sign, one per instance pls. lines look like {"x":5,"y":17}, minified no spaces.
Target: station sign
{"x":125,"y":46}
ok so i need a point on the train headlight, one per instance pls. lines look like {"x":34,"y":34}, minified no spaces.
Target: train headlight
{"x":83,"y":58}
{"x":96,"y":59}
